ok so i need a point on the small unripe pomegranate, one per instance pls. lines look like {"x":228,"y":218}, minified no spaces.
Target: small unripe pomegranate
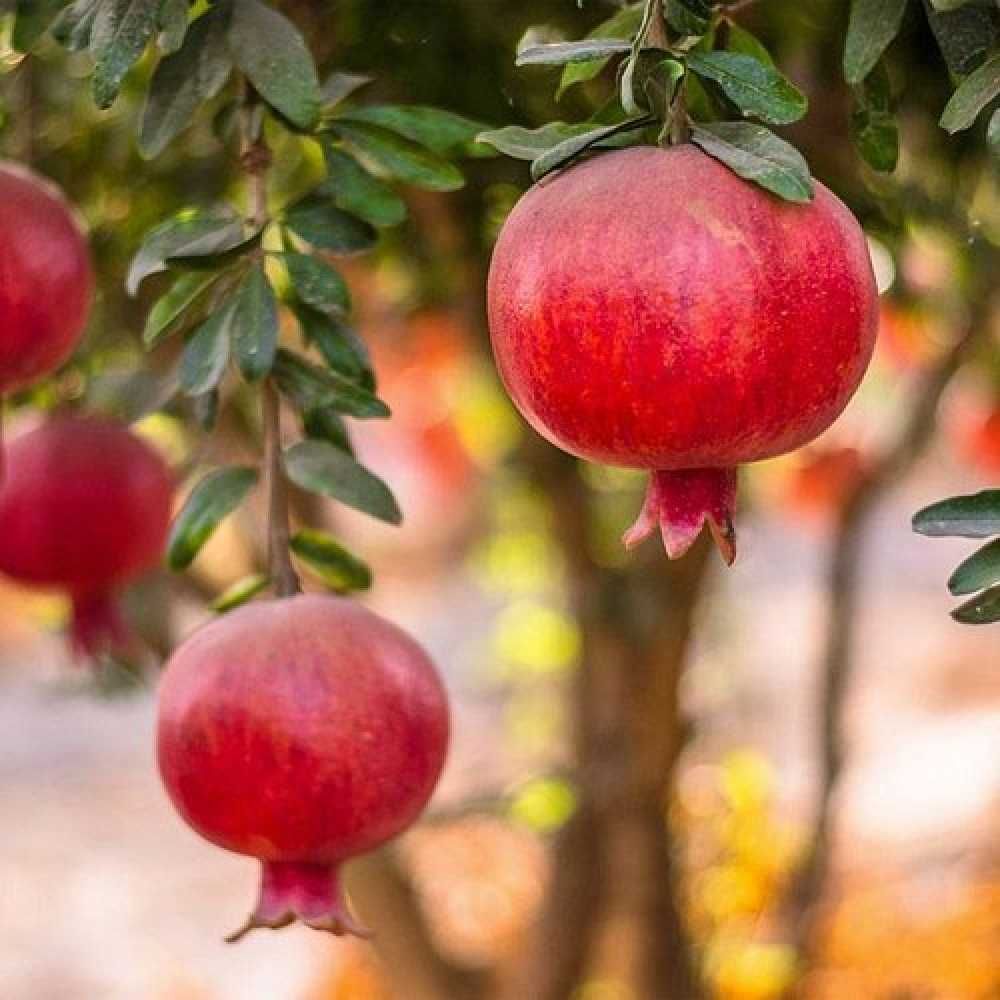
{"x":650,"y":309}
{"x":85,"y":507}
{"x":302,"y":731}
{"x":46,"y":279}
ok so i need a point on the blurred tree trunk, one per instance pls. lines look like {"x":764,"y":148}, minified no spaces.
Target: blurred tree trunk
{"x":612,"y":908}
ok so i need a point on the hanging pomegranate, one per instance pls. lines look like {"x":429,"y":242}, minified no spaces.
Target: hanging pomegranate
{"x":85,"y":507}
{"x":301,"y":731}
{"x":650,"y":309}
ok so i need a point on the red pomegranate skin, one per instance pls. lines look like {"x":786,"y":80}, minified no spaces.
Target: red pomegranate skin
{"x":302,"y":731}
{"x":650,"y":309}
{"x":46,"y":278}
{"x":84,"y":507}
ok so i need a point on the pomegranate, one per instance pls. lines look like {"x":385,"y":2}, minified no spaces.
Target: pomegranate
{"x":650,"y":309}
{"x":302,"y":731}
{"x":46,"y":279}
{"x":84,"y":506}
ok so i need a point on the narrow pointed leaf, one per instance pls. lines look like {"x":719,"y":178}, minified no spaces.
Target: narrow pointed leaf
{"x":121,"y":31}
{"x":570,"y":149}
{"x":442,"y":132}
{"x":316,"y":283}
{"x":754,"y":87}
{"x":271,"y":51}
{"x":975,"y":515}
{"x":321,"y":468}
{"x":75,"y":25}
{"x":183,"y":81}
{"x":214,"y":498}
{"x":240,"y":592}
{"x":339,"y":86}
{"x":741,"y":40}
{"x":310,"y":387}
{"x":184,"y":235}
{"x":206,"y":353}
{"x":973,"y":94}
{"x":623,"y":24}
{"x":872,"y":26}
{"x":401,"y":158}
{"x":172,"y":20}
{"x":561,"y":53}
{"x":342,"y":349}
{"x":965,"y":35}
{"x":356,"y":191}
{"x":254,"y":325}
{"x":980,"y":570}
{"x":169,"y":314}
{"x":757,"y":154}
{"x":341,"y":571}
{"x":688,"y":17}
{"x":984,"y":609}
{"x":318,"y":221}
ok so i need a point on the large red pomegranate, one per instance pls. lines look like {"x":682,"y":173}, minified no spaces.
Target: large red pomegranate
{"x":85,"y":507}
{"x":302,"y":731}
{"x":46,"y":280}
{"x":650,"y":309}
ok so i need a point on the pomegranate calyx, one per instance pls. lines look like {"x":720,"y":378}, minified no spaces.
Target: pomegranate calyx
{"x":97,"y":625}
{"x":308,"y":893}
{"x":681,"y":503}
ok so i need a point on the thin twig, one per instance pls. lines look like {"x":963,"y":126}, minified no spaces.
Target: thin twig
{"x":283,"y":576}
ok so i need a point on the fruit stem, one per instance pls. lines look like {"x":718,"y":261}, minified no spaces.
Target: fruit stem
{"x":283,"y":575}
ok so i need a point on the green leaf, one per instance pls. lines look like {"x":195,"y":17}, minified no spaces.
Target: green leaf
{"x":214,"y":498}
{"x":442,"y":132}
{"x":562,"y":53}
{"x":976,"y":515}
{"x":182,"y":81}
{"x":757,"y":154}
{"x":872,"y":26}
{"x":321,"y":224}
{"x":873,"y":125}
{"x":978,"y":571}
{"x":325,"y":424}
{"x":688,"y":17}
{"x":75,"y":25}
{"x":567,"y":151}
{"x":312,"y":388}
{"x":185,"y":235}
{"x":206,"y":353}
{"x":401,"y":158}
{"x":339,"y":86}
{"x":973,"y":94}
{"x":32,"y":19}
{"x":342,"y":349}
{"x":332,"y":563}
{"x":981,"y":610}
{"x":993,"y":133}
{"x":254,"y":325}
{"x":320,"y":468}
{"x":205,"y":409}
{"x":624,"y":24}
{"x":240,"y":592}
{"x":947,"y":5}
{"x":966,"y":35}
{"x":316,"y":283}
{"x":269,"y":49}
{"x":530,"y":143}
{"x":754,"y":87}
{"x":356,"y":191}
{"x":121,"y":31}
{"x":168,"y":315}
{"x":740,"y":40}
{"x":172,"y":20}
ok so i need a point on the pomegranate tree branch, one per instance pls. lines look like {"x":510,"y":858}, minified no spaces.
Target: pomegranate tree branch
{"x":283,"y":576}
{"x":810,"y":881}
